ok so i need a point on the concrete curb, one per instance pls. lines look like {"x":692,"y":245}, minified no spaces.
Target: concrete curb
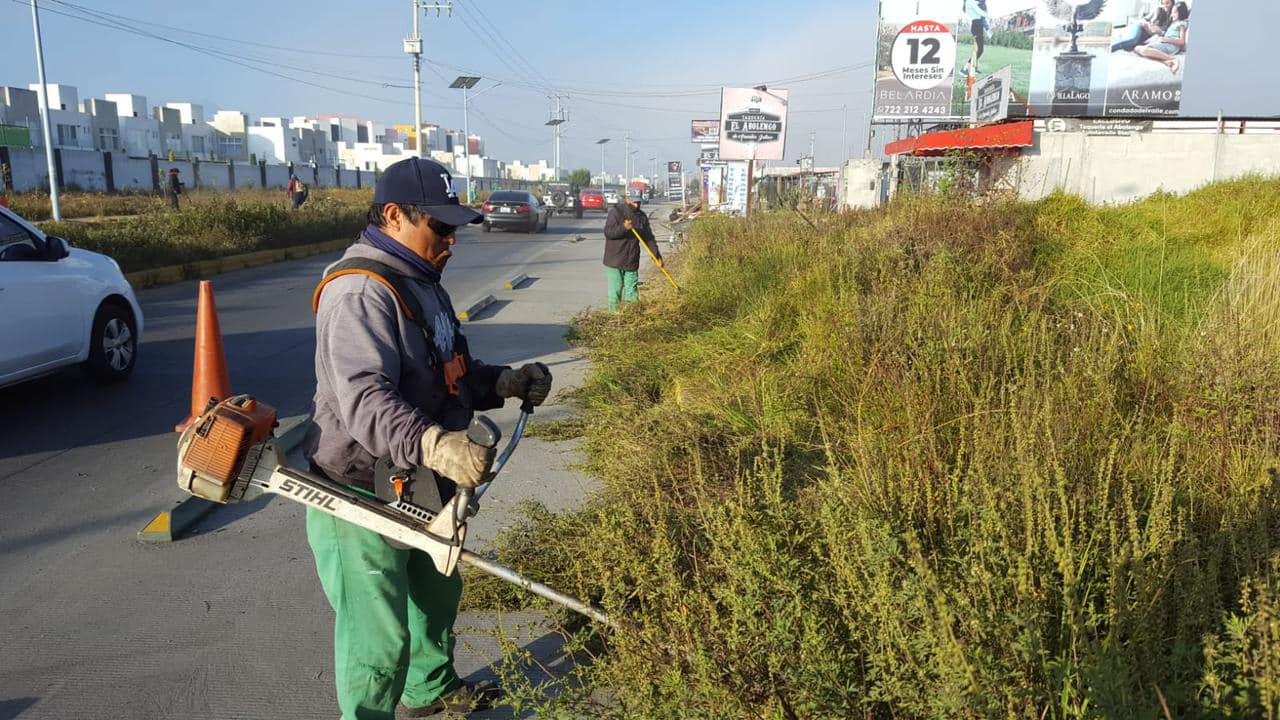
{"x":514,"y":282}
{"x":169,"y":525}
{"x":476,"y":307}
{"x":177,"y":273}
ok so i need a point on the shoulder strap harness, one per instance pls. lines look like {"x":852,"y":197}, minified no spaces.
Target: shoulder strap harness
{"x":455,"y":368}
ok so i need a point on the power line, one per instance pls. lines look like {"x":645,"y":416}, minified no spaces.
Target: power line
{"x":216,"y":54}
{"x":271,"y":46}
{"x":533,"y":72}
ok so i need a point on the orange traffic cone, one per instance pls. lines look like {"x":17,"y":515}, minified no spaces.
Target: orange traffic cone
{"x":209,"y":378}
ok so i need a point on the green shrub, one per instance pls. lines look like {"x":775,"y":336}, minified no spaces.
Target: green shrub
{"x":215,"y":225}
{"x":942,"y":460}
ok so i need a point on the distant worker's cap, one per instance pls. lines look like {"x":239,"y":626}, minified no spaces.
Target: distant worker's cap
{"x":426,"y":184}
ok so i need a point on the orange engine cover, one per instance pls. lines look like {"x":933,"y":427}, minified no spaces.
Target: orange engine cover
{"x":222,"y":436}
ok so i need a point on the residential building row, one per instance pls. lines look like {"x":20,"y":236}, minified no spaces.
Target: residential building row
{"x":126,"y":123}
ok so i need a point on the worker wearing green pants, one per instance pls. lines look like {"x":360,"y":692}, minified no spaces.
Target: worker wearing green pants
{"x":396,"y":383}
{"x":622,"y":250}
{"x":624,"y":285}
{"x":388,"y":603}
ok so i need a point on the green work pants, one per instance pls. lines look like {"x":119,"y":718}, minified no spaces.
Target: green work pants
{"x":623,"y":285}
{"x":393,"y":635}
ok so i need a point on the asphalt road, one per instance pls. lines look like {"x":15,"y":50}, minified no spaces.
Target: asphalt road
{"x":230,"y":623}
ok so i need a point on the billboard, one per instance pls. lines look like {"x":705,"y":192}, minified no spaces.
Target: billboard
{"x":1066,"y":58}
{"x":916,"y":59}
{"x":706,"y":131}
{"x":675,"y":181}
{"x":753,"y":124}
{"x":990,"y":97}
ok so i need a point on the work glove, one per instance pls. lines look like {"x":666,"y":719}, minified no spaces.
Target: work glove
{"x":453,"y":455}
{"x":530,"y":382}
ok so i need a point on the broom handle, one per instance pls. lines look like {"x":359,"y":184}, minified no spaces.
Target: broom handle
{"x":649,"y":250}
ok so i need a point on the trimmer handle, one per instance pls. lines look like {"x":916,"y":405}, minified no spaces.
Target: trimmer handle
{"x":484,"y":432}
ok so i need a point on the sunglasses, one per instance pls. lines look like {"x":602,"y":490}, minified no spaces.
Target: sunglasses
{"x":444,"y":230}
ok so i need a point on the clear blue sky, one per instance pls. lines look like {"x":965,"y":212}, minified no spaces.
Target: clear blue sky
{"x":665,"y":59}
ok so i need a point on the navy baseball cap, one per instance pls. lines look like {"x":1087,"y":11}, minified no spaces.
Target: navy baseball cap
{"x":426,"y":184}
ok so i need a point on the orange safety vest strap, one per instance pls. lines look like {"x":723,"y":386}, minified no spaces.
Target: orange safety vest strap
{"x":315,"y":299}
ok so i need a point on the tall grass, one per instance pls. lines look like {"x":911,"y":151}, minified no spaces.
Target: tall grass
{"x":937,"y":461}
{"x":212,"y":224}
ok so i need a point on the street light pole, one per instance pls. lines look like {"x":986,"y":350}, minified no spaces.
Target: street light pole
{"x":466,"y":82}
{"x":626,"y":159}
{"x":54,"y":201}
{"x":601,"y":142}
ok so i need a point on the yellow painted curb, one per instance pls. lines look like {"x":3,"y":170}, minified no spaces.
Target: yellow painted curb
{"x":476,"y":308}
{"x":205,"y":268}
{"x":158,"y":527}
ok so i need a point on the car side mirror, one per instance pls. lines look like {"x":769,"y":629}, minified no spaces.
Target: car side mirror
{"x":57,"y":248}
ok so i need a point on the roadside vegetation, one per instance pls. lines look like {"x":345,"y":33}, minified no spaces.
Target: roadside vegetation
{"x":210,"y":224}
{"x":943,"y":460}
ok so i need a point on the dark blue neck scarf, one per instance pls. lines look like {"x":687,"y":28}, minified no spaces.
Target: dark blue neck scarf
{"x":388,"y":244}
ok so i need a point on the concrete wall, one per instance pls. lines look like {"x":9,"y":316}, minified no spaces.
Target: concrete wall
{"x":1125,"y":169}
{"x":278,"y":175}
{"x":860,"y":184}
{"x":83,"y":169}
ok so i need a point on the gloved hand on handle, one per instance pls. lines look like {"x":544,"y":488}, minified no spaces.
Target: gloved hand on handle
{"x":455,"y":456}
{"x":531,"y":382}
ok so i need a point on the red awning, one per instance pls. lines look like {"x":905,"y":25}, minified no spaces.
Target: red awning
{"x":1006,"y":136}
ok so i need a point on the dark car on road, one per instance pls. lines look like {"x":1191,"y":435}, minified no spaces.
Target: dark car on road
{"x":515,"y":210}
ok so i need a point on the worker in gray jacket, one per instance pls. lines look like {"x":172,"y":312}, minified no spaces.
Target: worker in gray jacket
{"x":395,"y":381}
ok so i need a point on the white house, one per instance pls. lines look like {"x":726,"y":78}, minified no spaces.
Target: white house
{"x":105,"y":119}
{"x":198,"y":138}
{"x":139,"y":132}
{"x":533,"y":172}
{"x":71,"y":128}
{"x":231,"y":134}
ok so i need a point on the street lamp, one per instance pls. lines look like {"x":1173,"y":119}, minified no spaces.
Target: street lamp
{"x":54,"y":203}
{"x":465,"y":83}
{"x":601,"y":142}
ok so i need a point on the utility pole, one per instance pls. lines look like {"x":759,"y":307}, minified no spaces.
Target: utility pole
{"x":812,"y":136}
{"x":627,"y":163}
{"x":413,"y":47}
{"x":844,"y":134}
{"x":555,"y":122}
{"x":54,"y":201}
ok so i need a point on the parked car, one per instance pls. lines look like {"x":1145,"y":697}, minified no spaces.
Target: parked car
{"x":592,"y":200}
{"x":515,"y":209}
{"x":611,"y":197}
{"x":62,"y":306}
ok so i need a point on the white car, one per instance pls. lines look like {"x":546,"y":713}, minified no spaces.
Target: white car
{"x":611,"y":197}
{"x":62,"y":306}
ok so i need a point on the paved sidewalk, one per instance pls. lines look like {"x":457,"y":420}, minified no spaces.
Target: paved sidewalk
{"x":231,"y":622}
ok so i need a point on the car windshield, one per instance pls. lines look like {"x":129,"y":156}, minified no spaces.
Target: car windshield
{"x":508,"y":196}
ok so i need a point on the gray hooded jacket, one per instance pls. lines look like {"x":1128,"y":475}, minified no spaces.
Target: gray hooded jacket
{"x":379,"y":381}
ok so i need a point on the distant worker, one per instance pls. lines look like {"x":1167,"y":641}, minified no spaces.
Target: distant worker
{"x":174,"y":188}
{"x":622,"y":250}
{"x":297,"y":191}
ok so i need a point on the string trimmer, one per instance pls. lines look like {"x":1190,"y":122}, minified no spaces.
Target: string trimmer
{"x":229,"y":455}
